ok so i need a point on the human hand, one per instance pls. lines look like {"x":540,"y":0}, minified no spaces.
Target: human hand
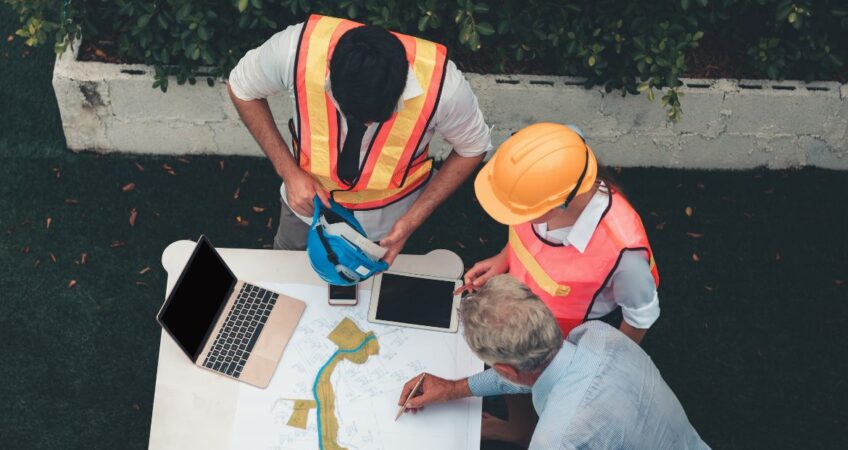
{"x":432,"y":390}
{"x":301,"y":189}
{"x":480,"y":273}
{"x":396,"y":239}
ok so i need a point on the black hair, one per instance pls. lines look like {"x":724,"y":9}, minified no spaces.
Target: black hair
{"x":368,"y":73}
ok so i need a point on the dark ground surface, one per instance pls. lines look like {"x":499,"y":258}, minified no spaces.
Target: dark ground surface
{"x":750,"y":336}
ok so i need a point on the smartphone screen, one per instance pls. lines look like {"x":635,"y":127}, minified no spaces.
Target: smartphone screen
{"x":342,"y":295}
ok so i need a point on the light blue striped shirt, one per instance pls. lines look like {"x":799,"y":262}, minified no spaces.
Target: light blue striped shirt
{"x":601,"y":391}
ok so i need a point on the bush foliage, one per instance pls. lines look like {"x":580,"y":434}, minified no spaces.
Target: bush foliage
{"x":624,"y":45}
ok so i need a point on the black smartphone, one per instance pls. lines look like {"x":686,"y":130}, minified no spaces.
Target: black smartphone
{"x":343,"y":295}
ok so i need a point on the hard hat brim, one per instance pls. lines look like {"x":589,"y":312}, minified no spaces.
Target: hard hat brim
{"x":502,"y":213}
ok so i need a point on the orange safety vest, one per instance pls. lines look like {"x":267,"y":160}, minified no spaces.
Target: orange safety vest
{"x":390,"y":171}
{"x":569,"y":281}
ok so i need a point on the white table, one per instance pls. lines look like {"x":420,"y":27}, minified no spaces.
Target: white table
{"x":194,"y":408}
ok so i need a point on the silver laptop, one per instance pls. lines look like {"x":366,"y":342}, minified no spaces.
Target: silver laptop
{"x":226,"y":325}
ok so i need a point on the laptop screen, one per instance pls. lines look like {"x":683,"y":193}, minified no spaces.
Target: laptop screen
{"x":193,"y":306}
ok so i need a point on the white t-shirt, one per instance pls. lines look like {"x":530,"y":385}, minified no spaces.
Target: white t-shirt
{"x":631,"y":285}
{"x":269,"y":69}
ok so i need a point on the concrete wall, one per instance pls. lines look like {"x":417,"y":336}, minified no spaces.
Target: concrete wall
{"x":726,"y":123}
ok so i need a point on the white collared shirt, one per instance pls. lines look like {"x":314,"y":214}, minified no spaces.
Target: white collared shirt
{"x":269,"y":69}
{"x":631,"y":285}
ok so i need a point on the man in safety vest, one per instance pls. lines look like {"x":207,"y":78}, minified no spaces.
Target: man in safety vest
{"x":366,"y":104}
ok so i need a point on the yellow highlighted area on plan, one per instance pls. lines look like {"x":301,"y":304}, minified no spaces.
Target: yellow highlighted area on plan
{"x":354,"y":345}
{"x":300,"y":413}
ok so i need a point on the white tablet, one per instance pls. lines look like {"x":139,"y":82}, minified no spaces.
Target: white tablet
{"x":416,"y":301}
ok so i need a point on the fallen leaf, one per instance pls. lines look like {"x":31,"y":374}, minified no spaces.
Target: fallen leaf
{"x":144,"y":271}
{"x":769,"y":191}
{"x":156,"y":214}
{"x":748,"y":215}
{"x":116,"y":244}
{"x":839,"y":282}
{"x":244,"y":177}
{"x":36,"y":263}
{"x":460,"y":244}
{"x":83,"y":258}
{"x":270,"y":223}
{"x":133,"y":216}
{"x":100,"y":53}
{"x":71,"y":201}
{"x":25,"y":250}
{"x":136,"y":407}
{"x":694,"y":235}
{"x":688,"y":211}
{"x":168,"y":169}
{"x":241,"y":222}
{"x":139,"y":167}
{"x":52,"y":257}
{"x":10,"y":38}
{"x":58,"y":172}
{"x":777,"y":256}
{"x":660,"y":225}
{"x":699,"y":185}
{"x":695,"y":257}
{"x":482,"y":240}
{"x":49,"y":221}
{"x":708,"y":288}
{"x":236,"y":193}
{"x":258,"y":209}
{"x":72,"y":283}
{"x":183,"y":160}
{"x":221,"y":164}
{"x":267,"y":246}
{"x":140,"y":283}
{"x":654,"y":214}
{"x":128,"y":187}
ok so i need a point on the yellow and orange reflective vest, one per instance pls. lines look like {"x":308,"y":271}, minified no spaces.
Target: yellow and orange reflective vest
{"x":569,"y":281}
{"x":390,"y":171}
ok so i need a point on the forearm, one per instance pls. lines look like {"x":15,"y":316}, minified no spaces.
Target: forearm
{"x":489,"y":383}
{"x":636,"y":334}
{"x":257,"y":117}
{"x":455,"y":170}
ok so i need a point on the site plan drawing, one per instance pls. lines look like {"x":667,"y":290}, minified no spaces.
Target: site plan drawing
{"x":339,"y":381}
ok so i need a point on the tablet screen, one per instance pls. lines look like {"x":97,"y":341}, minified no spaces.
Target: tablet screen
{"x":419,"y":301}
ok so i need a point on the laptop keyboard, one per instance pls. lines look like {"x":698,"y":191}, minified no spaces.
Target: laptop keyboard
{"x":241,"y":329}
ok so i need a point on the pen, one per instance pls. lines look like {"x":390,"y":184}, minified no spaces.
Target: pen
{"x":411,"y":394}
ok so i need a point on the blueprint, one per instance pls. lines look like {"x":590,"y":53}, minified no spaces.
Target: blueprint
{"x":350,"y":372}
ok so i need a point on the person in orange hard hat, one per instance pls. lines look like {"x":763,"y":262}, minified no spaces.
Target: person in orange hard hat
{"x":574,"y":240}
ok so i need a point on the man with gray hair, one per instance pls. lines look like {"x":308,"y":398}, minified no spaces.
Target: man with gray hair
{"x":597,"y":389}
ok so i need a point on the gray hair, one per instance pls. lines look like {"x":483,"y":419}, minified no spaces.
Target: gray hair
{"x":506,"y":323}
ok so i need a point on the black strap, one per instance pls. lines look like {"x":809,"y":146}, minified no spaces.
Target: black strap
{"x":348,"y":165}
{"x":573,"y":192}
{"x":331,"y":255}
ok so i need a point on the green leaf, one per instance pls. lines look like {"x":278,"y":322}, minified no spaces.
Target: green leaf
{"x":684,"y":4}
{"x":256,"y":4}
{"x":485,"y":28}
{"x":242,"y":5}
{"x":592,"y":61}
{"x":143,"y":20}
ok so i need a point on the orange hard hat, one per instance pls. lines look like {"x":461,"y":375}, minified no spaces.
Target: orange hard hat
{"x":539,"y":168}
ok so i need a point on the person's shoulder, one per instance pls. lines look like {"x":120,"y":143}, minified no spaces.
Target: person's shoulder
{"x":594,"y":335}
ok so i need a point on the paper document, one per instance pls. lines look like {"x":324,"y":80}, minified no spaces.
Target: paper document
{"x":339,"y":381}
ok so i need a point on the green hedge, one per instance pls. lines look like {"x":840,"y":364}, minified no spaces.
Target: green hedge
{"x":626,"y":45}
